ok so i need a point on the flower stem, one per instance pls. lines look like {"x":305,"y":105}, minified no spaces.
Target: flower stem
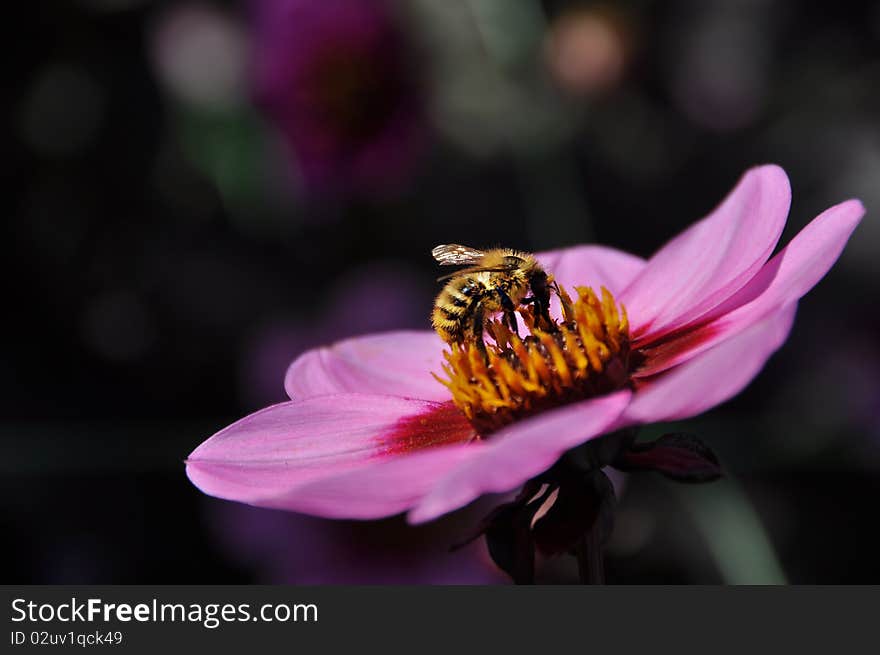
{"x":591,"y":566}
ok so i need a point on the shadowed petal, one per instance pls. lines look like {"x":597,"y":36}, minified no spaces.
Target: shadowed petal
{"x":708,"y":262}
{"x":520,"y":452}
{"x":783,"y":280}
{"x":274,"y":451}
{"x":592,"y":266}
{"x":712,"y":377}
{"x":383,"y":488}
{"x":390,"y":363}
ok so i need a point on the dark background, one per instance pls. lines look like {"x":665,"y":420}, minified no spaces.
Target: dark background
{"x":165,"y":262}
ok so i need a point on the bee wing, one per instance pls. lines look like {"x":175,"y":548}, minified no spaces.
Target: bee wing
{"x":454,"y":254}
{"x":473,"y":269}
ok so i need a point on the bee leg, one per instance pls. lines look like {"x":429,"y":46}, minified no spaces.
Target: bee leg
{"x":477,"y":330}
{"x":542,"y":309}
{"x":507,"y":306}
{"x":532,"y":301}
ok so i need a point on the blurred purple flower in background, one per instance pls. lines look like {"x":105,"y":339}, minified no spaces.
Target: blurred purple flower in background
{"x":285,"y":548}
{"x":336,"y":79}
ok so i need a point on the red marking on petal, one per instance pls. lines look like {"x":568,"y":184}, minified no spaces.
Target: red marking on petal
{"x":667,"y":351}
{"x":442,"y":425}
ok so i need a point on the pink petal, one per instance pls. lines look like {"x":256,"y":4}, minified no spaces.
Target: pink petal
{"x":783,"y":280}
{"x":593,"y":266}
{"x":384,"y":488}
{"x":712,"y":377}
{"x":393,"y":484}
{"x":271,"y":453}
{"x":390,"y":363}
{"x":712,"y":259}
{"x":519,"y":452}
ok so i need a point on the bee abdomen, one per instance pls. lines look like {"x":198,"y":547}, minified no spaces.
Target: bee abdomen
{"x":453,"y":309}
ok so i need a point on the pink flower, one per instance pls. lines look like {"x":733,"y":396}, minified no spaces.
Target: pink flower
{"x":370,"y":432}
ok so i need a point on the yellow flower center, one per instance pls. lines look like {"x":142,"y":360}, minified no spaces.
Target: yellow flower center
{"x":509,"y":378}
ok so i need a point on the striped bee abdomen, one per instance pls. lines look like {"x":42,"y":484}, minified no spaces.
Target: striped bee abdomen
{"x":456,"y":308}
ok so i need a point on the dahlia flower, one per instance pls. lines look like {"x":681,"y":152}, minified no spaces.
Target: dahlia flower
{"x":401,"y":422}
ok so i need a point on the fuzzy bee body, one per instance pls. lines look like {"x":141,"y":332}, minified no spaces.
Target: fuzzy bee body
{"x":497,"y":280}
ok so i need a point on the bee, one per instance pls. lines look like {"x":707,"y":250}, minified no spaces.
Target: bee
{"x":496,"y":280}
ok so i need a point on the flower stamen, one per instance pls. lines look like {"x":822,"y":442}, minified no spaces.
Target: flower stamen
{"x":508,"y":378}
